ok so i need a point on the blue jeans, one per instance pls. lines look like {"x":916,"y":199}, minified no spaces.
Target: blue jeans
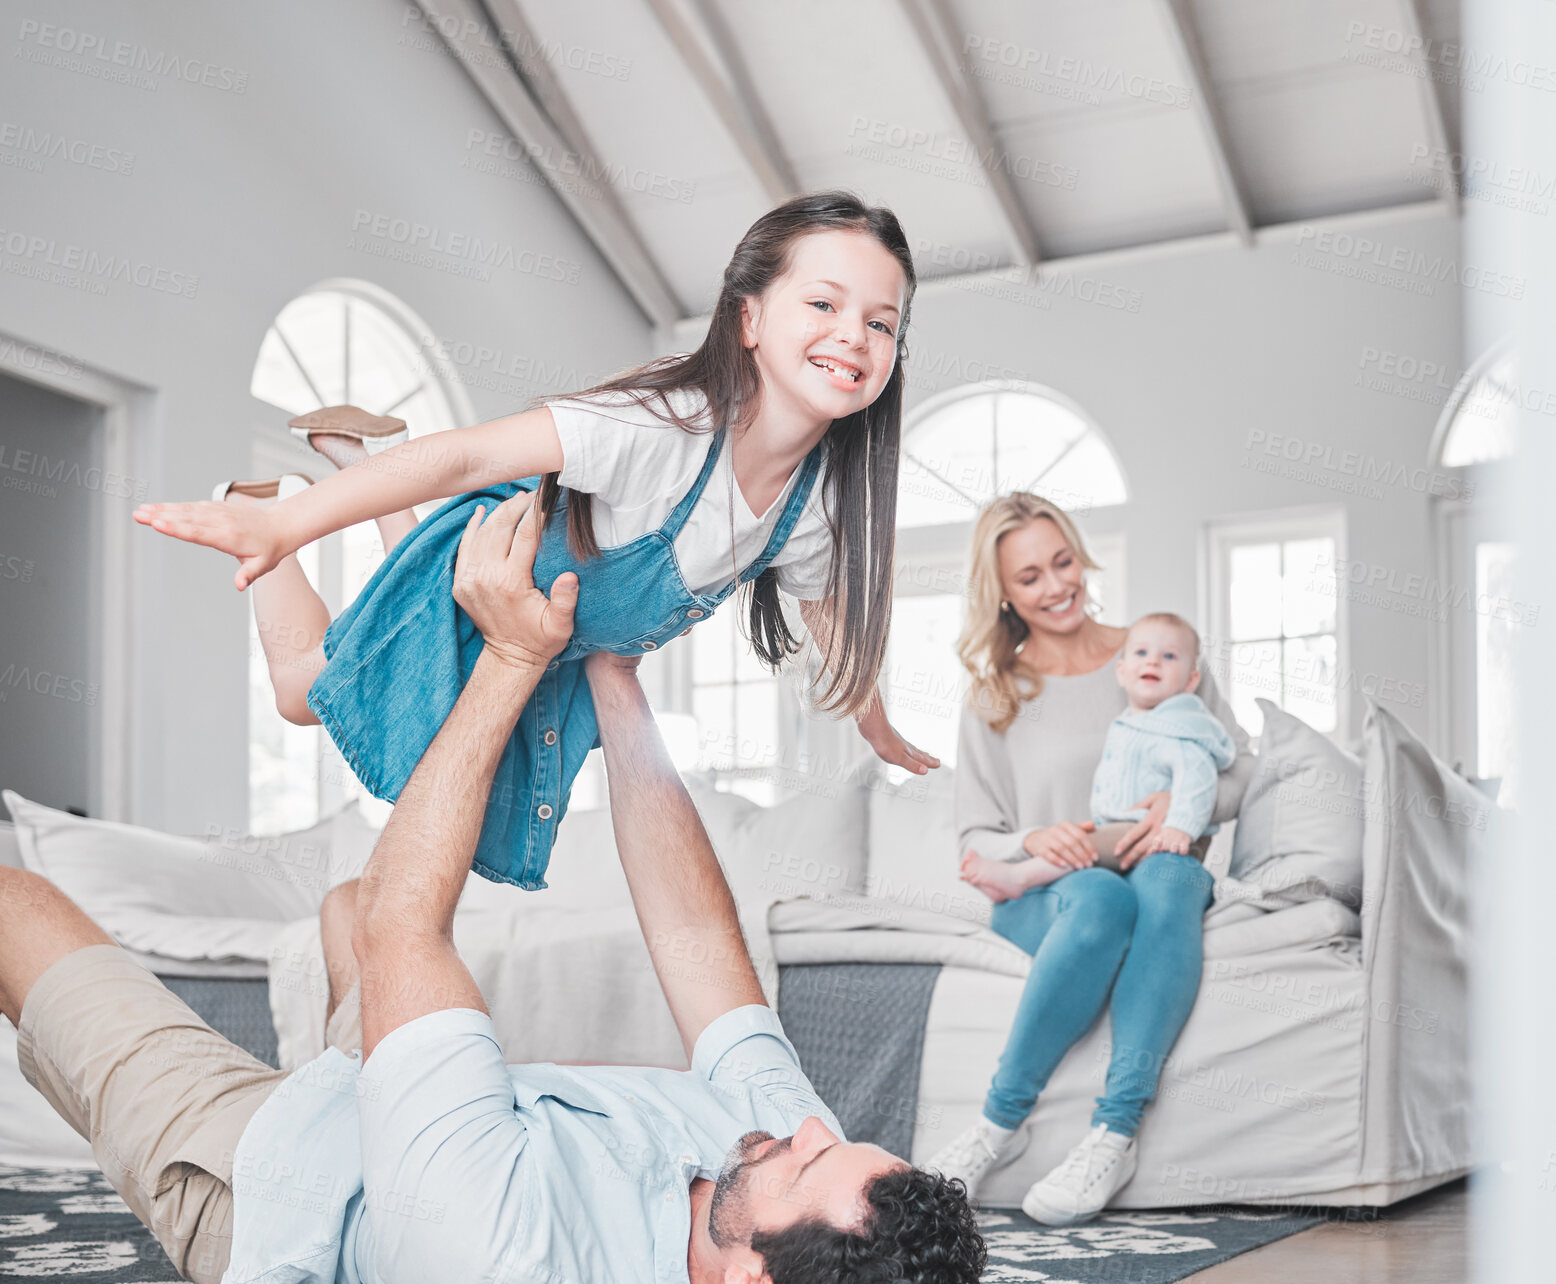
{"x":1092,"y":932}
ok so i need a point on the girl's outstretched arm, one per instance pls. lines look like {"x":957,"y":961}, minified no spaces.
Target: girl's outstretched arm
{"x":871,"y":720}
{"x":436,"y":466}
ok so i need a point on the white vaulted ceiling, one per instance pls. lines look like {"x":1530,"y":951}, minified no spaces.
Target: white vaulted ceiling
{"x":1001,"y":132}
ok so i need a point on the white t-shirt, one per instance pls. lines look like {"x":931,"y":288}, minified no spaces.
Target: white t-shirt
{"x":638,"y":468}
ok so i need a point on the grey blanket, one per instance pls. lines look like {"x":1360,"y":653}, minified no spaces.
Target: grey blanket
{"x":858,"y":1027}
{"x":859,"y":1030}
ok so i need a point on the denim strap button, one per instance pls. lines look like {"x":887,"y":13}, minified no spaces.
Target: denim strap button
{"x":696,"y":613}
{"x":650,"y":646}
{"x":550,"y":736}
{"x":544,"y":811}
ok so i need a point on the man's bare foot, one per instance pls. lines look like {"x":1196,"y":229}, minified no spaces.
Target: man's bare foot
{"x":340,"y":450}
{"x":996,"y":879}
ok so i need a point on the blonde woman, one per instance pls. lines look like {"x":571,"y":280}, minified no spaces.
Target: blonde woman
{"x":1044,"y":692}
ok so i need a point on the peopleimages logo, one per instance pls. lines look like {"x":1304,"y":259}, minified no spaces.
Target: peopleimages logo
{"x":1427,"y":589}
{"x":69,"y":264}
{"x":1397,"y":265}
{"x":122,"y":60}
{"x":45,"y":145}
{"x":431,"y":245}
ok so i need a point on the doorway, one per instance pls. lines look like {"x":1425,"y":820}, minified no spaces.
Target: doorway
{"x":52,"y":485}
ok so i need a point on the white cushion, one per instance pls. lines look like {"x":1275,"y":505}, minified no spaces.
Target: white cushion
{"x":585,"y":873}
{"x":1299,"y":828}
{"x":913,"y":849}
{"x":812,"y":845}
{"x":1431,"y":837}
{"x":216,"y":900}
{"x":10,"y":849}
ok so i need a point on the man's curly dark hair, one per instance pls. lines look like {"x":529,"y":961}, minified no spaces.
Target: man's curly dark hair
{"x":919,"y":1229}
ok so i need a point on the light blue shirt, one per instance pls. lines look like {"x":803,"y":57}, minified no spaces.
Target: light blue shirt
{"x":1179,"y":746}
{"x":437,"y":1161}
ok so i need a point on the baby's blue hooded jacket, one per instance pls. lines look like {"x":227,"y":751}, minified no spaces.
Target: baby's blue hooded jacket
{"x":1178,"y":746}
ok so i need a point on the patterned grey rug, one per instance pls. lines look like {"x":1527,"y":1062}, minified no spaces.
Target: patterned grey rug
{"x":1128,"y":1248}
{"x":70,"y":1225}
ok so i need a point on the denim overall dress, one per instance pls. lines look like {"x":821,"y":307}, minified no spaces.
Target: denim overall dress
{"x":400,"y":654}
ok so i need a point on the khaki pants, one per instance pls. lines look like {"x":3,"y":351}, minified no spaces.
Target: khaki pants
{"x":162,"y":1098}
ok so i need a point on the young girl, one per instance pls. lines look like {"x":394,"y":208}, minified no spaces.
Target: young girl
{"x":766,"y":459}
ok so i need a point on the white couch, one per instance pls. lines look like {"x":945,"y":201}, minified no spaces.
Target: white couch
{"x":1325,"y":1061}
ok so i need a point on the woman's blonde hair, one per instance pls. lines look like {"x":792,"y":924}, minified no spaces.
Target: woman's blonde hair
{"x":993,"y":633}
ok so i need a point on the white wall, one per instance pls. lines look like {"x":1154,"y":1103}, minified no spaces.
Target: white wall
{"x":1214,"y":344}
{"x":246,"y":199}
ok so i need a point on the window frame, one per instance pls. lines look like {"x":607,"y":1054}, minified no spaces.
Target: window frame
{"x":1458,"y":526}
{"x":273,"y":450}
{"x":929,"y":409}
{"x":1220,"y":535}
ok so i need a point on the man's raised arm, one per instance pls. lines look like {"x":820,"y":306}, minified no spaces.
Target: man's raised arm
{"x":682,"y":898}
{"x":403,"y":934}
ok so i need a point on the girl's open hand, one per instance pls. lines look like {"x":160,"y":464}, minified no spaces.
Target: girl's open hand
{"x":888,"y":745}
{"x":248,"y":532}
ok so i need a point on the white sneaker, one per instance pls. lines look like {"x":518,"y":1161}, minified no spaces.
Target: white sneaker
{"x":978,"y":1151}
{"x":1079,"y":1188}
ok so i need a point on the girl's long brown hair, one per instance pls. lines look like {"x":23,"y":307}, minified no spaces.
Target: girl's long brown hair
{"x":859,"y":487}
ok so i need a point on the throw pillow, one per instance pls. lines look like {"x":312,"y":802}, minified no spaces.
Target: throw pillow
{"x":1299,"y":829}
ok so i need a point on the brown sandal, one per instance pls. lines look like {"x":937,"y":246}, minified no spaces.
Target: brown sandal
{"x":375,"y":432}
{"x":282,"y":487}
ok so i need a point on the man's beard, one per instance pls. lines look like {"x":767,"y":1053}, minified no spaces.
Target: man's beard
{"x":729,"y":1211}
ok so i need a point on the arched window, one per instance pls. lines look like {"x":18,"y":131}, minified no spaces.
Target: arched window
{"x":341,"y":343}
{"x":1479,"y":423}
{"x":966,"y":446}
{"x":960,"y":449}
{"x":1474,"y":444}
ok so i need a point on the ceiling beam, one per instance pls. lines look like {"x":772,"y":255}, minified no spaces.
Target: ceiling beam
{"x":592,"y":203}
{"x":734,"y":101}
{"x":689,"y":332}
{"x":523,"y":46}
{"x":936,"y":33}
{"x":1410,"y":19}
{"x":1191,"y":56}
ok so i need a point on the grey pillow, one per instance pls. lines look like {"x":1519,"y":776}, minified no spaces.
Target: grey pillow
{"x":1299,"y":829}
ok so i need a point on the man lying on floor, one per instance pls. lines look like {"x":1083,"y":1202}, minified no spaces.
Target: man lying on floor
{"x":423,"y":1157}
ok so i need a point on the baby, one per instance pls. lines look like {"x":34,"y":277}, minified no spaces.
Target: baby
{"x":1167,"y":739}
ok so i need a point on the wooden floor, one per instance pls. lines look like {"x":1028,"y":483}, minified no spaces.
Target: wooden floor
{"x":1422,"y":1240}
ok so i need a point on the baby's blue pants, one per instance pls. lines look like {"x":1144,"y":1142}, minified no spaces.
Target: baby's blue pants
{"x":1090,"y":932}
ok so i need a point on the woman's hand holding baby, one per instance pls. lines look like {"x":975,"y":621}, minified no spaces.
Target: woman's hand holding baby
{"x":1067,"y":844}
{"x":256,"y":536}
{"x":1149,"y":834}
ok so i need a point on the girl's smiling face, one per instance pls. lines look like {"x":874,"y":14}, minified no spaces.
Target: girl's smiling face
{"x":824,"y":334}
